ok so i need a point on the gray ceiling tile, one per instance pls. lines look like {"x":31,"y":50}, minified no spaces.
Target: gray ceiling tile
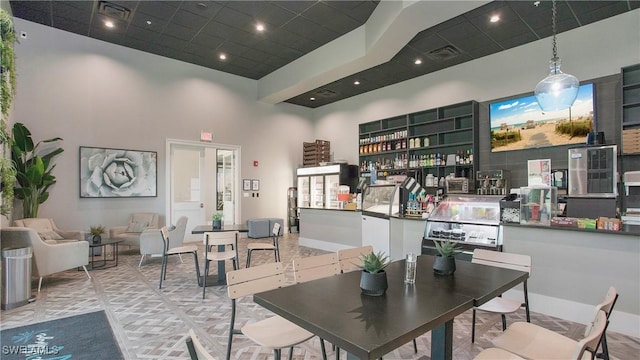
{"x":189,"y":19}
{"x":171,"y":42}
{"x":207,"y":41}
{"x":207,"y":9}
{"x":142,"y":34}
{"x":180,"y":32}
{"x":71,"y":26}
{"x":159,"y":9}
{"x":324,"y":15}
{"x":297,"y":7}
{"x":37,"y":16}
{"x":74,"y":13}
{"x":140,"y":20}
{"x":44,"y":6}
{"x":233,"y":18}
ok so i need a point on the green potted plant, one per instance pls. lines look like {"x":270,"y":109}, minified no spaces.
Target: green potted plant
{"x":373,"y":280}
{"x":445,"y":261}
{"x":216,"y":219}
{"x":33,"y":169}
{"x":96,"y":233}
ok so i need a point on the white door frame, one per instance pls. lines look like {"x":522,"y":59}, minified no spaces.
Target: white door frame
{"x":236,"y":186}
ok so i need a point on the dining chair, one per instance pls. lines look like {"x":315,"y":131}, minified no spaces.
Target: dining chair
{"x":350,"y":259}
{"x":497,"y":354}
{"x":263,"y":246}
{"x":313,"y":268}
{"x":607,"y":306}
{"x":168,"y":251}
{"x":196,"y":350}
{"x":274,"y":332}
{"x":531,"y":341}
{"x":499,"y":304}
{"x":216,"y":248}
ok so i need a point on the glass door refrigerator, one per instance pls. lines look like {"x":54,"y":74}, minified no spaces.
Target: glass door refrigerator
{"x":303,"y":192}
{"x":318,"y":186}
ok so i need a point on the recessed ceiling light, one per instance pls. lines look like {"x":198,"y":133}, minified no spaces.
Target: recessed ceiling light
{"x":223,"y":57}
{"x":536,"y":3}
{"x":356,"y":82}
{"x":418,"y":61}
{"x":259,"y":27}
{"x":109,"y":24}
{"x":495,"y":18}
{"x":148,"y":22}
{"x":312,"y":99}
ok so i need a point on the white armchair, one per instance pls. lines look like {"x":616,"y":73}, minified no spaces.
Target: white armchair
{"x":151,"y":241}
{"x":49,"y":257}
{"x":47,"y":229}
{"x":137,"y":223}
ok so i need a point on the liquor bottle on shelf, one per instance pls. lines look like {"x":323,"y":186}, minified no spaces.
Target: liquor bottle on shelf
{"x":470,"y":155}
{"x":457,"y":157}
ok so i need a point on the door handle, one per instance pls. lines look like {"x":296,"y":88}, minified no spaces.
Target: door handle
{"x":201,"y":205}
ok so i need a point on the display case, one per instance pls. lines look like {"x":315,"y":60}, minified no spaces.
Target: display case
{"x":382,"y":200}
{"x":471,"y":220}
{"x":538,"y":204}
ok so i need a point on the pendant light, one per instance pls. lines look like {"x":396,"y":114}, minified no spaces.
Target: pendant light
{"x":557,"y":91}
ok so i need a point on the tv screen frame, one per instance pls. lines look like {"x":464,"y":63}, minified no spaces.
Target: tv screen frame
{"x":518,"y":123}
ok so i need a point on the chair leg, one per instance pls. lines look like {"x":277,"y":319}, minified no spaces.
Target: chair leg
{"x":40,"y":284}
{"x":526,"y":302}
{"x":504,"y":322}
{"x":324,"y":351}
{"x":141,"y":260}
{"x":162,"y":271}
{"x":276,"y":354}
{"x":248,"y":258}
{"x":231,"y":326}
{"x":473,"y":326}
{"x":275,"y":255}
{"x":291,"y":353}
{"x":415,"y":346}
{"x":605,"y":349}
{"x":180,"y":256}
{"x":204,"y":278}
{"x":86,"y":271}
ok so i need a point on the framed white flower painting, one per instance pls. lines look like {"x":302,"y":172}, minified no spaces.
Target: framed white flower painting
{"x":113,"y":173}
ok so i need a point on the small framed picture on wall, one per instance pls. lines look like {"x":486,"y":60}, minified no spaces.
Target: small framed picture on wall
{"x":246,"y":185}
{"x":255,"y":185}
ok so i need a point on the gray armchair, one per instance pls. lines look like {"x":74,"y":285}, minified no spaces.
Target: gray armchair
{"x":49,"y":257}
{"x":137,"y":223}
{"x":47,"y":229}
{"x":151,"y":241}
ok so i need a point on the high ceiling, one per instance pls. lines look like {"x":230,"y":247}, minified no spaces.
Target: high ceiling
{"x":198,"y":32}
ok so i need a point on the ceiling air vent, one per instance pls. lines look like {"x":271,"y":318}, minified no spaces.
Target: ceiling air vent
{"x":325,"y":93}
{"x":444,"y":53}
{"x":113,"y":10}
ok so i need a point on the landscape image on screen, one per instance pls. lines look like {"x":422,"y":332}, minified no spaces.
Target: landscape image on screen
{"x":519,"y":123}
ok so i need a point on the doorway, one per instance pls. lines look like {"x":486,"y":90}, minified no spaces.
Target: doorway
{"x":202,"y":180}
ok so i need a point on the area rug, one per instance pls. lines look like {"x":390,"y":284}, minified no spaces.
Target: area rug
{"x":86,"y":336}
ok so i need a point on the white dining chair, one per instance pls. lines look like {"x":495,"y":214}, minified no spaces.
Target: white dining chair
{"x":219,"y":246}
{"x":499,"y":304}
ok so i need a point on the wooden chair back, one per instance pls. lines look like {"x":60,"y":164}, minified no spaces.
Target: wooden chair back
{"x":196,"y":350}
{"x":315,"y":267}
{"x":219,"y":238}
{"x":502,"y":259}
{"x":591,"y":341}
{"x":606,"y":305}
{"x":249,"y":281}
{"x":350,"y":259}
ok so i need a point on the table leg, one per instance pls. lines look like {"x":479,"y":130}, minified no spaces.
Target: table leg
{"x":442,"y":341}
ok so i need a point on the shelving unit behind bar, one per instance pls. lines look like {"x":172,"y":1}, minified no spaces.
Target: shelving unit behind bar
{"x":438,"y":141}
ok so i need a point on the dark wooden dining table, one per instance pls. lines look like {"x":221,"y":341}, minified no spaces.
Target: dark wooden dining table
{"x":221,"y":278}
{"x":369,"y":327}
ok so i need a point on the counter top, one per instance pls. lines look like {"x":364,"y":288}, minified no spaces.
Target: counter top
{"x":309,"y":208}
{"x":626,"y":229}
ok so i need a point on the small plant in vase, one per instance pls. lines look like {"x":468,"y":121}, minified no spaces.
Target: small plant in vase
{"x":445,"y":262}
{"x":96,"y":233}
{"x":373,"y":281}
{"x":216,"y":220}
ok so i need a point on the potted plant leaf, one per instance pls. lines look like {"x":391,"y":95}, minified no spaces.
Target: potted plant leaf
{"x":33,"y":168}
{"x":373,"y":280}
{"x":96,"y":233}
{"x":445,"y":262}
{"x":216,"y":220}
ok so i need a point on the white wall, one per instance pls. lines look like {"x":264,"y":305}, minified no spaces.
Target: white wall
{"x":587,"y":52}
{"x":92,"y":93}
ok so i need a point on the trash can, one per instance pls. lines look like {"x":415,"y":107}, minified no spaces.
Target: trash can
{"x":16,"y":277}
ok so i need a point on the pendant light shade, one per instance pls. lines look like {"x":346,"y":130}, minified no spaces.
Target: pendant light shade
{"x":557,"y":91}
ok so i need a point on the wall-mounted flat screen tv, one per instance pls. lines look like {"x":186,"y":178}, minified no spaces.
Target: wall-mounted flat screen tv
{"x":519,"y":123}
